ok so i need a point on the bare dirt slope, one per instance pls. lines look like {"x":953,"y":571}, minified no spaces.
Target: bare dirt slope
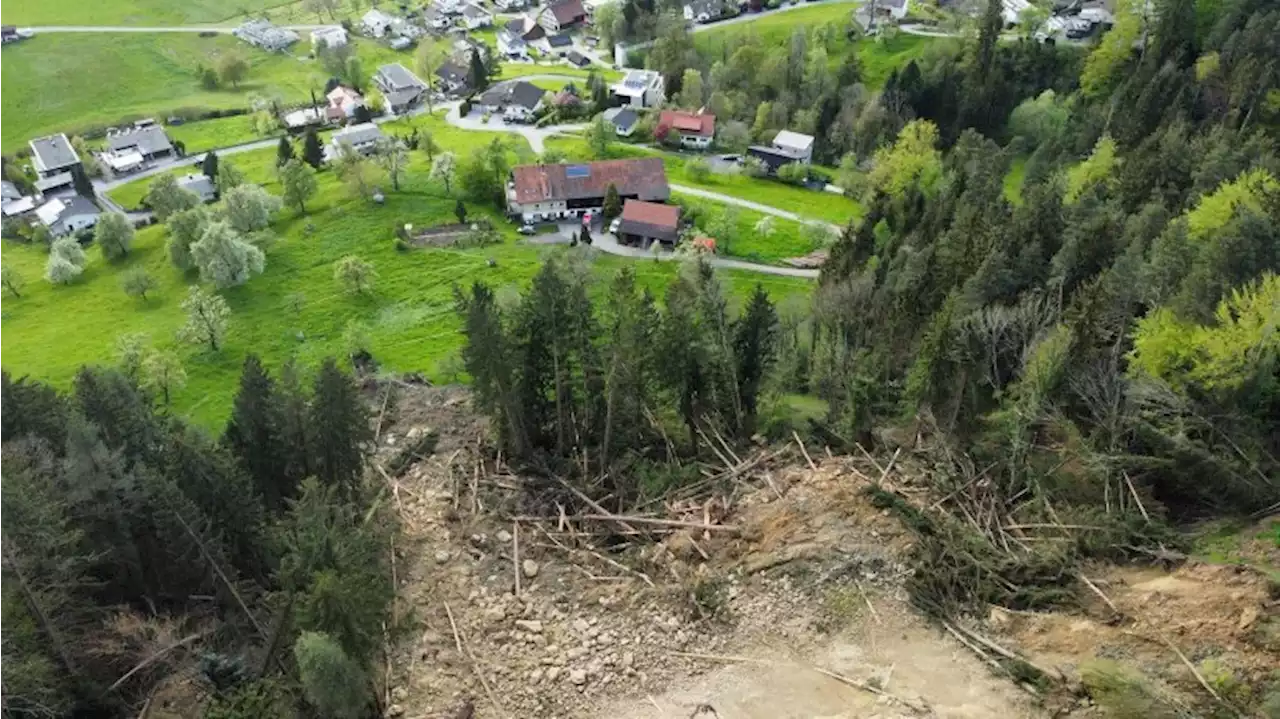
{"x":797,"y":612}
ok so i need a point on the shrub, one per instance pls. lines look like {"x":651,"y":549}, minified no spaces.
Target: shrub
{"x":698,"y":170}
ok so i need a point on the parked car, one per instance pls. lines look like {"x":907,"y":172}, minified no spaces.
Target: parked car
{"x":613,"y":226}
{"x":527,"y":230}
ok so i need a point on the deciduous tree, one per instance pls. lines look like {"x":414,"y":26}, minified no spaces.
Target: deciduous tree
{"x":163,"y":372}
{"x":248,"y":208}
{"x":12,"y":280}
{"x":444,"y":168}
{"x":114,"y":234}
{"x":232,"y":67}
{"x":224,"y":258}
{"x":393,"y":157}
{"x":207,"y":316}
{"x":66,"y":261}
{"x":165,"y":197}
{"x":298,"y":182}
{"x":137,"y":282}
{"x":184,"y":229}
{"x":354,"y":274}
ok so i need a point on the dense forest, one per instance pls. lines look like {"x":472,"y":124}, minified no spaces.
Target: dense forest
{"x":139,"y":549}
{"x":1096,"y":344}
{"x":1100,"y":343}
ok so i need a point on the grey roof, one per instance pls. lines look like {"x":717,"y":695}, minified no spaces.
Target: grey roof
{"x":526,"y":94}
{"x":452,"y":72}
{"x":400,"y":98}
{"x":625,"y":119}
{"x":560,"y":40}
{"x":473,"y":11}
{"x":148,"y":140}
{"x":357,"y":134}
{"x":578,"y":58}
{"x":397,"y":77}
{"x":61,"y":179}
{"x":9,"y":191}
{"x":73,"y":206}
{"x":197,"y":183}
{"x":53,"y":152}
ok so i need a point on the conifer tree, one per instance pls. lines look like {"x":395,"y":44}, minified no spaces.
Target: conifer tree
{"x":312,"y":152}
{"x":340,"y":429}
{"x":284,"y":152}
{"x":755,"y":344}
{"x":254,"y":434}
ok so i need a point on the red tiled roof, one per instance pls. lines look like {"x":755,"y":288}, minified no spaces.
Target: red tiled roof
{"x":651,"y":213}
{"x":644,"y":178}
{"x":689,"y":123}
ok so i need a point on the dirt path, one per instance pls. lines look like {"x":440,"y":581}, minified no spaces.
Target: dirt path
{"x":895,"y":650}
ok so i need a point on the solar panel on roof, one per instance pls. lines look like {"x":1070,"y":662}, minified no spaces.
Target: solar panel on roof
{"x":576,"y":172}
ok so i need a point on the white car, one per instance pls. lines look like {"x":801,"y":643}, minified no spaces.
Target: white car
{"x":613,"y":226}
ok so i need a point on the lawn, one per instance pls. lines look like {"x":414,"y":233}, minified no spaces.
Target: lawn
{"x":132,"y":12}
{"x":787,"y":240}
{"x":809,"y":204}
{"x":70,"y":82}
{"x":409,"y":321}
{"x":879,"y":56}
{"x":214,"y":133}
{"x":511,"y":70}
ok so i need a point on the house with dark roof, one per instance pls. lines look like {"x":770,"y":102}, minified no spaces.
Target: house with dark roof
{"x":516,"y":101}
{"x":695,"y":130}
{"x":560,"y":43}
{"x":562,"y":15}
{"x":147,"y":139}
{"x":453,"y":77}
{"x":261,"y":33}
{"x":578,"y":59}
{"x":644,"y":223}
{"x":66,"y":215}
{"x":529,"y":31}
{"x":547,"y":192}
{"x":623,"y":119}
{"x":787,"y":147}
{"x":511,"y":46}
{"x":401,"y":89}
{"x":704,"y":11}
{"x":54,"y":160}
{"x":362,"y":138}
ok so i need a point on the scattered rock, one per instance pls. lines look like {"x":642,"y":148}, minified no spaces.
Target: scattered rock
{"x":530,"y":625}
{"x":503,"y":536}
{"x":577,"y":677}
{"x":399,"y":694}
{"x":1247,"y":618}
{"x":530,"y":568}
{"x":395,"y":710}
{"x":442,"y":556}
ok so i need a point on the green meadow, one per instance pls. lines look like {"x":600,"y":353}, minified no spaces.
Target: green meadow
{"x":296,"y":309}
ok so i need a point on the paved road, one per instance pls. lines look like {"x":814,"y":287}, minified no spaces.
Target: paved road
{"x":536,"y":136}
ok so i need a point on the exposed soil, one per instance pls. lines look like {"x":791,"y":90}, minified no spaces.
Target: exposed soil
{"x":798,"y":613}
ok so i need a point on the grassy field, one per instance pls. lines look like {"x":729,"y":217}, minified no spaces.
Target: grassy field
{"x":788,"y":238}
{"x":132,"y":12}
{"x":102,"y":79}
{"x":878,"y":56}
{"x":50,"y":331}
{"x":809,"y":204}
{"x":214,"y":133}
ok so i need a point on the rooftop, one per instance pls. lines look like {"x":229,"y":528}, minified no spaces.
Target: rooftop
{"x":688,"y":123}
{"x":148,"y":140}
{"x":53,"y":152}
{"x":793,"y":141}
{"x":651,"y":213}
{"x":644,"y":177}
{"x":397,"y":77}
{"x":567,"y":11}
{"x":357,"y":134}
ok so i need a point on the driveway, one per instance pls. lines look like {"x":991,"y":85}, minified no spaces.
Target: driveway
{"x":535,"y":135}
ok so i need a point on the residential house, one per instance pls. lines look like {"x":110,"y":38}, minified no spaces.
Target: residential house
{"x":578,"y":59}
{"x":641,"y":88}
{"x":333,"y":36}
{"x":145,"y":138}
{"x":66,"y":215}
{"x":623,"y":119}
{"x":400,"y":88}
{"x":476,"y":17}
{"x":704,"y":11}
{"x":696,"y":130}
{"x":517,"y":101}
{"x":54,"y":160}
{"x":17,"y":207}
{"x":306,"y":117}
{"x":343,"y":103}
{"x":453,"y":77}
{"x":529,"y":31}
{"x":201,"y":185}
{"x":400,"y":42}
{"x":787,"y":147}
{"x":547,"y":192}
{"x":562,"y":15}
{"x":262,"y":34}
{"x":403,"y":27}
{"x":560,"y":43}
{"x":362,"y":138}
{"x":449,"y":7}
{"x":510,"y":5}
{"x":436,"y":20}
{"x":9,"y":191}
{"x":511,"y":46}
{"x":376,"y":23}
{"x":643,"y":223}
